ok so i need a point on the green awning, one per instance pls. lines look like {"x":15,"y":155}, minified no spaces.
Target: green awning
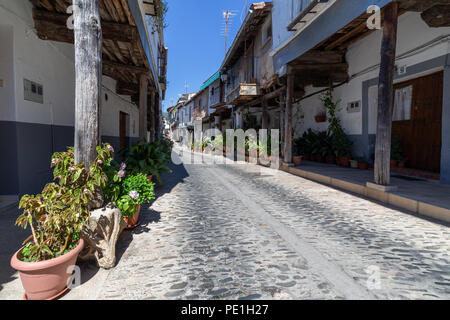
{"x":210,"y":80}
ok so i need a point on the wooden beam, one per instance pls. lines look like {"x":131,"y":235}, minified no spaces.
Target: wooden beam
{"x":385,"y":95}
{"x":330,"y":67}
{"x":126,"y":88}
{"x":320,"y":57}
{"x":53,"y":26}
{"x":152,"y":116}
{"x":288,"y":117}
{"x":356,"y":31}
{"x":265,"y":115}
{"x":125,"y":67}
{"x":88,"y":79}
{"x":143,"y":89}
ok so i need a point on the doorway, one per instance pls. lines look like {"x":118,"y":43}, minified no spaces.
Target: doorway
{"x":417,"y":120}
{"x":123,"y":126}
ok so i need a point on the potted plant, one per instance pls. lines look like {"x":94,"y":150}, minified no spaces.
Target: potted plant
{"x":363,"y":164}
{"x":148,"y":158}
{"x":396,"y":151}
{"x":135,"y":191}
{"x":55,"y":218}
{"x":321,"y":117}
{"x":402,"y":162}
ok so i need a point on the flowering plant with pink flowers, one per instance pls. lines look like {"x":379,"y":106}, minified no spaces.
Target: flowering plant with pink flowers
{"x":135,"y":190}
{"x":56,"y":216}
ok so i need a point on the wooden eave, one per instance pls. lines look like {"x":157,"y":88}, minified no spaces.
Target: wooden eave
{"x":124,"y":58}
{"x":325,"y":64}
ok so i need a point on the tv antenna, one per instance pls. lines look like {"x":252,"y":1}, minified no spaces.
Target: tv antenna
{"x":228,"y":17}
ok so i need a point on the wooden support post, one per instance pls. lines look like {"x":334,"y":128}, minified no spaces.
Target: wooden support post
{"x":265,"y":115}
{"x":158,"y":131}
{"x":88,"y":79}
{"x":152,"y":116}
{"x":385,"y":95}
{"x":143,"y":90}
{"x":288,"y":117}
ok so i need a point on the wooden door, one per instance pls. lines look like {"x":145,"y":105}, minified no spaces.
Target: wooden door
{"x":418,"y":120}
{"x":123,"y":129}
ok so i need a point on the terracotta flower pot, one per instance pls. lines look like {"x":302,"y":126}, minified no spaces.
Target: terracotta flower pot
{"x":393,"y":163}
{"x":297,"y":160}
{"x":330,"y":159}
{"x":132,"y":222}
{"x":321,"y":118}
{"x":344,"y":161}
{"x":46,"y":280}
{"x":401,"y":164}
{"x":363,"y":165}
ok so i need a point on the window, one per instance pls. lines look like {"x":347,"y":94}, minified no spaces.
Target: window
{"x":212,"y":91}
{"x":402,"y":104}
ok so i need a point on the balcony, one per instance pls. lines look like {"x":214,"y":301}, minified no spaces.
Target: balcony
{"x":244,"y":92}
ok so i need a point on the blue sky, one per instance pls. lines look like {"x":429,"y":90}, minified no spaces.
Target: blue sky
{"x":195,"y":41}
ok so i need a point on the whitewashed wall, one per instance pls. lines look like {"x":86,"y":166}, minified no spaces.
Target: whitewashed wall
{"x":52,"y":65}
{"x":7,"y":111}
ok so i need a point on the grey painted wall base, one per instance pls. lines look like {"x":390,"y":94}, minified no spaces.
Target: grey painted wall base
{"x":25,"y":154}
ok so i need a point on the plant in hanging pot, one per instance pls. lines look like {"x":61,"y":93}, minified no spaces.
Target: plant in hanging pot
{"x":55,"y":218}
{"x":321,"y":117}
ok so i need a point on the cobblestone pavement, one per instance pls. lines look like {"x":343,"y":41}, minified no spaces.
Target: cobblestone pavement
{"x":247,"y":232}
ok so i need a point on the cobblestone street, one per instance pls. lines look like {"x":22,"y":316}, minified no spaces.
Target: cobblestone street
{"x":247,"y":232}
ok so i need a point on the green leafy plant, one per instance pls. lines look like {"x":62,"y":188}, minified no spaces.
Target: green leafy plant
{"x":57,"y":215}
{"x":148,"y":158}
{"x":340,"y":142}
{"x":135,"y":190}
{"x":396,"y":149}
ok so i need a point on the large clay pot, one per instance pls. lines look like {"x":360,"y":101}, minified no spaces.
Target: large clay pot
{"x":393,"y":163}
{"x":132,"y":222}
{"x":363,"y":165}
{"x":297,"y":160}
{"x":46,"y":280}
{"x":344,"y":161}
{"x":330,"y":159}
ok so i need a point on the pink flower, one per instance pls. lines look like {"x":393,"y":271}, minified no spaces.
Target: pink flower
{"x":71,"y":169}
{"x":134,"y":195}
{"x":99,"y":161}
{"x":121,"y":174}
{"x":110,"y":148}
{"x":123,"y":166}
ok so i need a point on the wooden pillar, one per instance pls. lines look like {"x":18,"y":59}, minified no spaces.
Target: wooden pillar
{"x":88,"y":79}
{"x":385,"y":95}
{"x":152,"y":116}
{"x":288,"y":117}
{"x":265,"y":115}
{"x":143,"y":91}
{"x":158,"y":132}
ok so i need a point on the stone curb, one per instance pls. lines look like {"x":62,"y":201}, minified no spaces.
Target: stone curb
{"x":421,"y":208}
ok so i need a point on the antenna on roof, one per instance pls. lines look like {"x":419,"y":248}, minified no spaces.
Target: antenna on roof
{"x":228,"y":16}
